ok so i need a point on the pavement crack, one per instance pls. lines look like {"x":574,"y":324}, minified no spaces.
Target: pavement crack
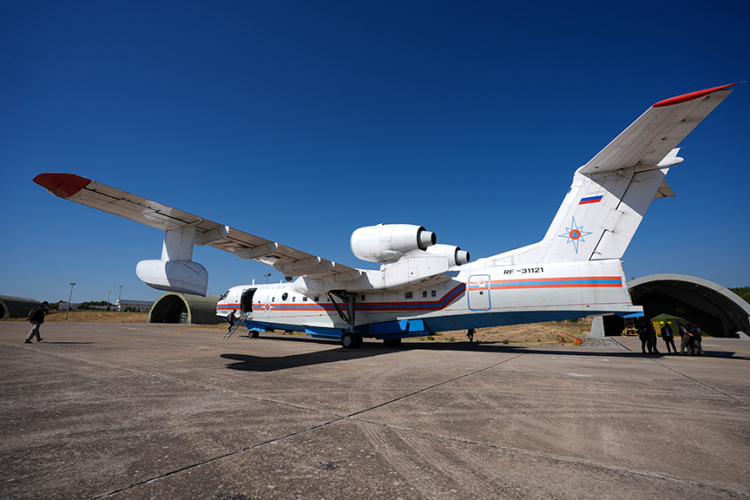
{"x":170,"y":473}
{"x":168,"y":378}
{"x":743,"y":403}
{"x":424,"y":389}
{"x":554,"y":458}
{"x":385,"y":403}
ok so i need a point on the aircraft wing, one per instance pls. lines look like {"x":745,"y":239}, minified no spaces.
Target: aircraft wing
{"x":649,"y":139}
{"x":286,"y":260}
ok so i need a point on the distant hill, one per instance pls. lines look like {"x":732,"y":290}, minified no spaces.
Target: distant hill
{"x":743,"y":292}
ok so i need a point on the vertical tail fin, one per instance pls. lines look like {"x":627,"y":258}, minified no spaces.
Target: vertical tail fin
{"x":600,"y":215}
{"x":611,"y":193}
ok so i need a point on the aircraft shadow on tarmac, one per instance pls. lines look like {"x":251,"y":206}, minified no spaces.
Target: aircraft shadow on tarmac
{"x":67,"y":343}
{"x":248,"y":362}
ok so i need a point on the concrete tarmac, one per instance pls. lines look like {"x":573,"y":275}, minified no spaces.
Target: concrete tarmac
{"x":133,"y":411}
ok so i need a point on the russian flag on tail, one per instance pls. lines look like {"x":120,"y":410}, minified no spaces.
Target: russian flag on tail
{"x":590,"y":199}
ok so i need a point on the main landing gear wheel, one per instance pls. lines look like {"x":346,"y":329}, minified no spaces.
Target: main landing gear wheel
{"x":254,"y":335}
{"x":350,"y":340}
{"x":392,"y":341}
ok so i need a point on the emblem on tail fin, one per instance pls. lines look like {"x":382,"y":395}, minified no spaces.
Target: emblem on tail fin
{"x":575,"y":234}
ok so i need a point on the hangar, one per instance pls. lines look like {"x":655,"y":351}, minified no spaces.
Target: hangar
{"x":16,"y":307}
{"x":183,"y":308}
{"x":671,"y":297}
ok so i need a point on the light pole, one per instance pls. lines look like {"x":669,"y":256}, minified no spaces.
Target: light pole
{"x":267,"y":275}
{"x":118,"y":299}
{"x":69,"y":299}
{"x":108,"y":294}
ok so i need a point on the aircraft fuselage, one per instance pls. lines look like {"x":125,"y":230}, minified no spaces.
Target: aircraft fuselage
{"x":473,"y":297}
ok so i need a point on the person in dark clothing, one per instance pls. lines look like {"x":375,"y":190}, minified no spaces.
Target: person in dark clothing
{"x":470,"y":333}
{"x":36,"y":316}
{"x":686,"y":336}
{"x":697,"y":341}
{"x":231,"y":320}
{"x":643,"y":335}
{"x":651,"y":331}
{"x":666,"y":335}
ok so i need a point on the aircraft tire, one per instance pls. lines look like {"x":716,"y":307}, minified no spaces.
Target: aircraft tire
{"x":349,"y":340}
{"x":391,"y":342}
{"x":359,"y":340}
{"x":254,"y":335}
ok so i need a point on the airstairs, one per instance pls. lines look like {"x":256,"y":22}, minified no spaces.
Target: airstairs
{"x":237,"y":324}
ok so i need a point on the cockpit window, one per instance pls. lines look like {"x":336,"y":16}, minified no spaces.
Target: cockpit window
{"x":224,"y":295}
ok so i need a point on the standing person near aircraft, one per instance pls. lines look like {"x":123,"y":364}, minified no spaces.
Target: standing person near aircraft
{"x":666,"y":335}
{"x":643,"y":335}
{"x":685,"y":338}
{"x":697,"y":341}
{"x":651,"y":338}
{"x":470,"y":334}
{"x":36,"y":316}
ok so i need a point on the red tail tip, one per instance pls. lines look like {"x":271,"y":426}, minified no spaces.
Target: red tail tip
{"x":690,"y":96}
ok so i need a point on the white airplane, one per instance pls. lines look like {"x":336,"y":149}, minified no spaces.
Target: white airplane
{"x":422,"y":287}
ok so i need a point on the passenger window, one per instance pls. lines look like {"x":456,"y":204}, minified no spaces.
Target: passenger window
{"x":408,"y":295}
{"x":273,"y":299}
{"x":304,"y":299}
{"x":363,"y":297}
{"x":316,"y":298}
{"x":434,"y":293}
{"x":424,"y":294}
{"x":294,"y":299}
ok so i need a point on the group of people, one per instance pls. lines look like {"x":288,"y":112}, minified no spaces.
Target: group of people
{"x":690,"y":339}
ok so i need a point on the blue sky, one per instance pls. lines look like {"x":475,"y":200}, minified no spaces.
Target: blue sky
{"x":302,"y":121}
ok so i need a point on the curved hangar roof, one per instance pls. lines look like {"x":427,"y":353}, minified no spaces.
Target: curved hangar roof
{"x":717,"y":310}
{"x":16,"y":307}
{"x":170,"y":307}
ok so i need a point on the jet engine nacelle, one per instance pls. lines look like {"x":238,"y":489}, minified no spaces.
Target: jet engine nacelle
{"x":455,"y":255}
{"x":183,"y":276}
{"x":389,"y":242}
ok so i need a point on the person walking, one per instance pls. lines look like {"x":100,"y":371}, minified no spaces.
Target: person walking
{"x":36,"y":316}
{"x":666,"y":335}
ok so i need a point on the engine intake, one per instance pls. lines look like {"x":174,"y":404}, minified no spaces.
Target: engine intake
{"x":389,"y":242}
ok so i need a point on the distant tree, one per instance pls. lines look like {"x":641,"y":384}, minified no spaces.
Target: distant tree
{"x":87,"y":305}
{"x":743,"y":292}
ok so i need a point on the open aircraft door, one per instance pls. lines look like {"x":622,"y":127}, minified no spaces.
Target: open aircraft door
{"x":247,"y":300}
{"x":479,"y":292}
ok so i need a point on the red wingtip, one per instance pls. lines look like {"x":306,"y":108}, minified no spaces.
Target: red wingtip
{"x":690,"y":96}
{"x":62,"y":185}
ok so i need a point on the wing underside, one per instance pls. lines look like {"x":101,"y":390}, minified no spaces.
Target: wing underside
{"x":288,"y":261}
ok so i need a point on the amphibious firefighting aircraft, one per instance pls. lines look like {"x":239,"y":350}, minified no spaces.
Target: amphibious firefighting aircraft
{"x":423,"y":287}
